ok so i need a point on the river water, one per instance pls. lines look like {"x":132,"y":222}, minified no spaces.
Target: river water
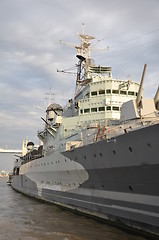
{"x":26,"y":218}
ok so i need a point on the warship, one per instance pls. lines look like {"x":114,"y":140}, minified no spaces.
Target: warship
{"x":99,"y":154}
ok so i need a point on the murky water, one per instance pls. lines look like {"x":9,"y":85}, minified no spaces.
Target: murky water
{"x":25,"y":218}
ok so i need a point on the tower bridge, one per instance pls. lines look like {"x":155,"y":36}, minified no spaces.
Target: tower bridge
{"x":2,"y":150}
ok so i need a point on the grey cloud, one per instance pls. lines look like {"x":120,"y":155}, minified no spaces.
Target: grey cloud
{"x":30,"y":52}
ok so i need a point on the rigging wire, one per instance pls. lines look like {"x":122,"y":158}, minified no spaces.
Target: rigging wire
{"x":131,"y":40}
{"x":134,"y":39}
{"x":68,"y":70}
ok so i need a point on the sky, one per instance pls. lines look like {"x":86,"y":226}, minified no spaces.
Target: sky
{"x":31,"y":53}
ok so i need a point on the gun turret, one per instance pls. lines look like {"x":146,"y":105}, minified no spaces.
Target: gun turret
{"x":139,"y":95}
{"x":140,"y":108}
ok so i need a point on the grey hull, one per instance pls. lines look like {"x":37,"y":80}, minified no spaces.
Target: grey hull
{"x":123,"y":182}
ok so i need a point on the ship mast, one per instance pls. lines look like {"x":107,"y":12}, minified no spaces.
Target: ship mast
{"x":86,"y":65}
{"x":83,"y":54}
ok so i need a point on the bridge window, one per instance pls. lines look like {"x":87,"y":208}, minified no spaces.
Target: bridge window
{"x":130,"y":93}
{"x":115,"y":108}
{"x":101,"y":109}
{"x":87,"y":110}
{"x":101,"y":92}
{"x":123,"y":92}
{"x":94,"y":93}
{"x":108,"y":108}
{"x":115,"y":91}
{"x":108,"y":91}
{"x":93,"y":109}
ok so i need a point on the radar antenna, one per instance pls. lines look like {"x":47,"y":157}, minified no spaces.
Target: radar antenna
{"x":84,"y":75}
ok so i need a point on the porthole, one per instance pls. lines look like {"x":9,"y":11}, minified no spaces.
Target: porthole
{"x":114,"y":152}
{"x":131,"y":189}
{"x":101,"y":154}
{"x":125,"y":130}
{"x":130,"y":149}
{"x":149,"y":145}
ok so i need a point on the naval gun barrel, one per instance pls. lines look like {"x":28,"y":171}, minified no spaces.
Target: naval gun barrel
{"x":156,"y":95}
{"x":138,"y":99}
{"x":45,"y":121}
{"x":156,"y":99}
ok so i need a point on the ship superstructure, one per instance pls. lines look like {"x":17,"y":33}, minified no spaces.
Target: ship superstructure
{"x":97,"y":101}
{"x":100,"y":153}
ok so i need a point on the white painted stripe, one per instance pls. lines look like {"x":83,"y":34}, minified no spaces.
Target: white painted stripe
{"x":120,"y":196}
{"x":146,"y":213}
